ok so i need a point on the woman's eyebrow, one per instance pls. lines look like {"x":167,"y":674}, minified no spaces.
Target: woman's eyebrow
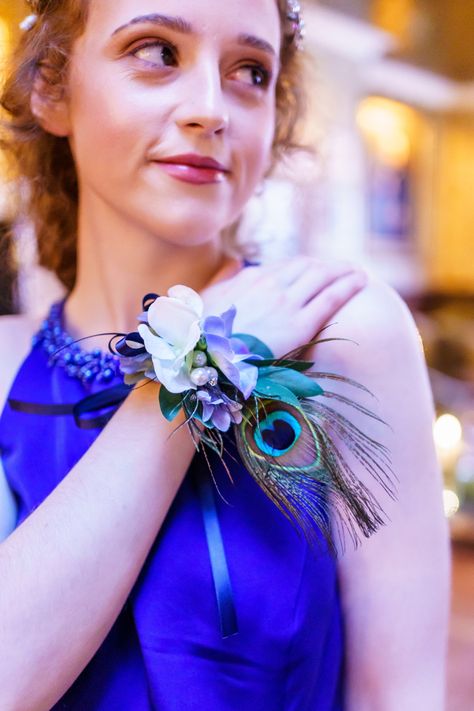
{"x":178,"y":24}
{"x":257,"y":43}
{"x":173,"y":23}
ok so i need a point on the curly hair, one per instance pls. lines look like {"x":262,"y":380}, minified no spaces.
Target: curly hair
{"x":45,"y":161}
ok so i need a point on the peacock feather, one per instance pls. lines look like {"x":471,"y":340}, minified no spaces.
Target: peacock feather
{"x":296,"y":446}
{"x":292,"y":454}
{"x":289,"y":433}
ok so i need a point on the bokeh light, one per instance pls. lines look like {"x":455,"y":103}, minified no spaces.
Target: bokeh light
{"x":447,"y":432}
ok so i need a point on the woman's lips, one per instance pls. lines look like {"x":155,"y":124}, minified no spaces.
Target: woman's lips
{"x":191,"y":174}
{"x":198,"y":170}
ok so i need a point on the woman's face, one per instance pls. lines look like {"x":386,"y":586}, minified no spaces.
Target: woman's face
{"x":171,"y":110}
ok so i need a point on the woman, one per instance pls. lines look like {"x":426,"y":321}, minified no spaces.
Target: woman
{"x":151,"y":140}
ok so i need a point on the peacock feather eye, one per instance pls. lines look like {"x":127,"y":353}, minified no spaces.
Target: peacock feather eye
{"x":277,"y":433}
{"x":281,"y":432}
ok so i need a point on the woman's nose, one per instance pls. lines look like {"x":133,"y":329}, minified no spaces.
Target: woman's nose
{"x":204,"y":109}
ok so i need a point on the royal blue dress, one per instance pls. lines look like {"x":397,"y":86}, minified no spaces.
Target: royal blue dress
{"x":166,"y":651}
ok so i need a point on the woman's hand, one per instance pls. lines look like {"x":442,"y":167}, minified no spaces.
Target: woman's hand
{"x":285,"y":303}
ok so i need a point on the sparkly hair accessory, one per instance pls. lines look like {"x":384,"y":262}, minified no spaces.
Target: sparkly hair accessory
{"x":29,"y":22}
{"x":296,"y":26}
{"x":38,"y":7}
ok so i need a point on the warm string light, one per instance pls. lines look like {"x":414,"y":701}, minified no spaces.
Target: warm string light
{"x":388,"y":126}
{"x":447,"y":432}
{"x":451,"y":502}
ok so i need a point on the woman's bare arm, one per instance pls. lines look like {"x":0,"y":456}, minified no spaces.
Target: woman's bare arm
{"x":395,"y":588}
{"x":68,"y":569}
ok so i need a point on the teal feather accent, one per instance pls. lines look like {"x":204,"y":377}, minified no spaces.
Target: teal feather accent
{"x":302,"y":451}
{"x":310,"y":481}
{"x":278,"y":433}
{"x":295,"y":454}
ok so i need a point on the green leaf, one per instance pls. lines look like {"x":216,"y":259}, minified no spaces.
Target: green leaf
{"x":269,"y":389}
{"x":255,"y":345}
{"x":170,"y":403}
{"x":299,"y":365}
{"x":299,"y":384}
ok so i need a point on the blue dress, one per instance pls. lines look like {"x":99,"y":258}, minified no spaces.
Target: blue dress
{"x":165,"y":651}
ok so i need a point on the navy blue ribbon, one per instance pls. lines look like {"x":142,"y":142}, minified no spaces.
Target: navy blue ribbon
{"x":215,"y":544}
{"x":82,"y":411}
{"x":85,"y":418}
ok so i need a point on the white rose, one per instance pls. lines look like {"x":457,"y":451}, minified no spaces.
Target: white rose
{"x":172,"y":332}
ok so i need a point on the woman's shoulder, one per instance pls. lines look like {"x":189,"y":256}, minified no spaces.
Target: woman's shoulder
{"x":16,"y":333}
{"x":372,"y":330}
{"x":376,"y":344}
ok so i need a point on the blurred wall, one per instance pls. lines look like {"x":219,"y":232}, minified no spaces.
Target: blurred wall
{"x":452,"y":254}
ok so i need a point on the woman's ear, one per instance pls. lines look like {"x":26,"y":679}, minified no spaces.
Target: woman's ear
{"x":50,"y":107}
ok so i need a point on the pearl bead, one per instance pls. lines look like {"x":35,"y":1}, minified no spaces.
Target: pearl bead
{"x":199,"y":359}
{"x":199,"y":376}
{"x":212,"y":375}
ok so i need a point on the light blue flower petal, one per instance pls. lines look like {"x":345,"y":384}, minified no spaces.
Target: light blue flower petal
{"x":230,"y":370}
{"x":228,"y":319}
{"x":239,"y":346}
{"x":207,"y":411}
{"x":248,"y":378}
{"x":221,"y":418}
{"x":219,"y":345}
{"x":214,"y":325}
{"x":236,"y":417}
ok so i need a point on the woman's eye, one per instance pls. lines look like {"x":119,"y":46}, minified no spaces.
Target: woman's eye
{"x":253,"y":74}
{"x":160,"y":54}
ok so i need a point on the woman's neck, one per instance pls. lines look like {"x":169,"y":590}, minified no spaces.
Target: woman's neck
{"x":115,"y":270}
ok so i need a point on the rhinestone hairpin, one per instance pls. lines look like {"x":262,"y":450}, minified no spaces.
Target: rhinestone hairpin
{"x":28,"y":23}
{"x":30,"y":20}
{"x":295,"y":23}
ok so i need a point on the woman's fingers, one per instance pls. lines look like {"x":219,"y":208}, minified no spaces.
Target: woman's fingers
{"x":322,"y":307}
{"x":315,"y":278}
{"x":285,"y":303}
{"x":287,"y":271}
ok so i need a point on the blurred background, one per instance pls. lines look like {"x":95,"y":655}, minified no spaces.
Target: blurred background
{"x":392,"y":119}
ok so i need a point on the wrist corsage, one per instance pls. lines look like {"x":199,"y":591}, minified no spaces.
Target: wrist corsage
{"x":287,"y":436}
{"x":291,"y":441}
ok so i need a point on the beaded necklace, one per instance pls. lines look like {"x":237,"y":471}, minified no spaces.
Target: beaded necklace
{"x":94,"y":366}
